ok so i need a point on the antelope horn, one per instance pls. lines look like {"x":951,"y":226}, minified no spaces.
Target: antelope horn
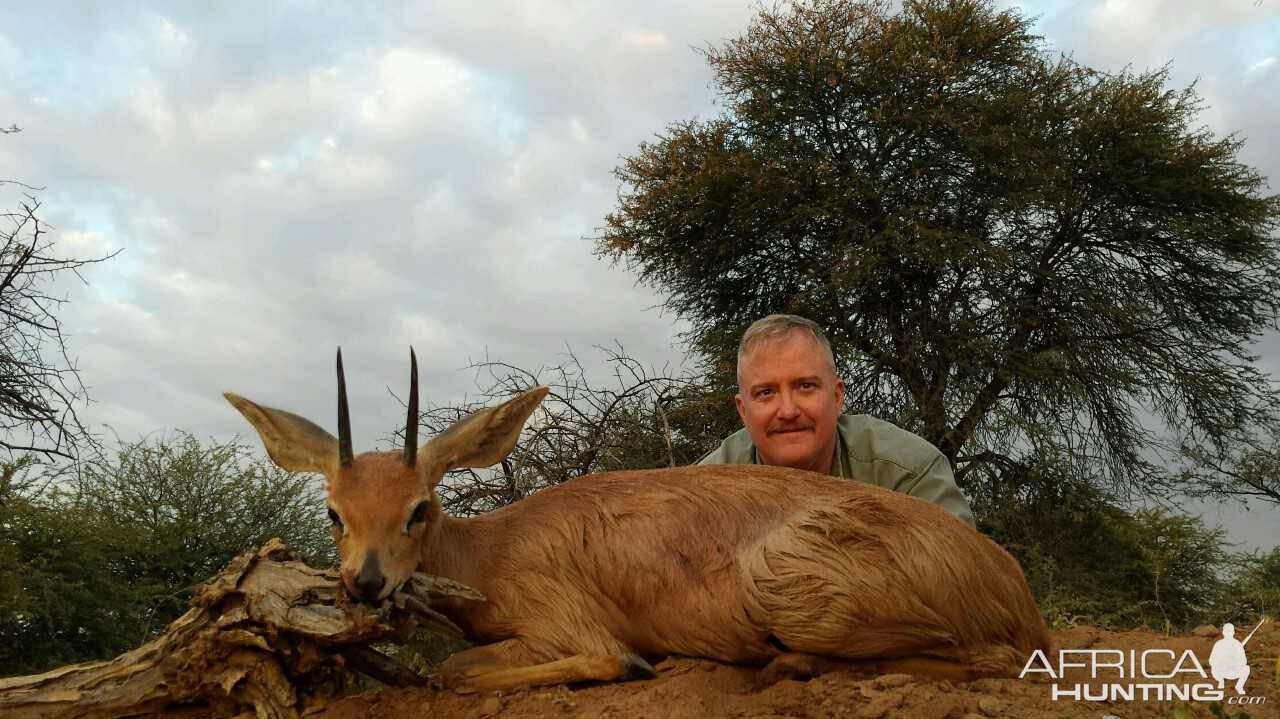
{"x":411,"y":424}
{"x":344,"y":418}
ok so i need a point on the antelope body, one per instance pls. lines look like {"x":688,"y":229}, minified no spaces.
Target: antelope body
{"x":743,"y":564}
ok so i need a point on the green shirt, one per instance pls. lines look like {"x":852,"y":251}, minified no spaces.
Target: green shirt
{"x":876,"y":452}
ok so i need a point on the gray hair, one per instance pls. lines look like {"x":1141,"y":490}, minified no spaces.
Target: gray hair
{"x":777,"y":327}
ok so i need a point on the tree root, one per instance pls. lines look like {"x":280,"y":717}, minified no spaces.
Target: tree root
{"x":268,"y":635}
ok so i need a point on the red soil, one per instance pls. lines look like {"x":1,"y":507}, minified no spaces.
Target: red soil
{"x":692,"y":688}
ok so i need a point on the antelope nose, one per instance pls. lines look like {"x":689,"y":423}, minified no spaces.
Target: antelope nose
{"x":370,"y":581}
{"x":369,"y":586}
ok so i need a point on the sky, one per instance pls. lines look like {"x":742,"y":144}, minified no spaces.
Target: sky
{"x":287,"y":177}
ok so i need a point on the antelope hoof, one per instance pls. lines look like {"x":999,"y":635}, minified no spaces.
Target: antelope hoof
{"x":796,"y":666}
{"x":635,"y":667}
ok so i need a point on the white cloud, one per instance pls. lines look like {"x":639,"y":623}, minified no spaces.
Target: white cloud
{"x":352,"y":274}
{"x":415,"y":91}
{"x":78,"y":243}
{"x":645,"y":39}
{"x":150,"y":106}
{"x":8,"y":55}
{"x":1126,"y":16}
{"x":271,"y":108}
{"x":427,"y":333}
{"x":578,"y":131}
{"x":357,"y":173}
{"x":173,"y":41}
{"x":440,"y":215}
{"x":1260,"y":69}
{"x":1147,"y":34}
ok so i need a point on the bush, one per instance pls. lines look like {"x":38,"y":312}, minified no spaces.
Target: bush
{"x":61,"y":598}
{"x":108,"y":551}
{"x":1090,"y":561}
{"x":1250,"y":590}
{"x":190,"y":508}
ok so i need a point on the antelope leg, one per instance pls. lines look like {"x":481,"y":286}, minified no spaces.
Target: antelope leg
{"x":505,"y":665}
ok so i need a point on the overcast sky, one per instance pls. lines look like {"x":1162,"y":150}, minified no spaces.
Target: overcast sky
{"x":286,"y":177}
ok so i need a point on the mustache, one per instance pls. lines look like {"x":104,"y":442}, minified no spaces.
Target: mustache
{"x":775,"y":429}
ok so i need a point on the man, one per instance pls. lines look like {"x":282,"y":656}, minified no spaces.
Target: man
{"x":789,"y":399}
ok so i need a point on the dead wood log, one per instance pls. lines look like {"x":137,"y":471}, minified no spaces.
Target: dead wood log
{"x":265,"y":636}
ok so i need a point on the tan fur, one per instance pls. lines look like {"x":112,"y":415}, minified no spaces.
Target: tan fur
{"x":710,"y":561}
{"x":735,"y":563}
{"x":374,"y":497}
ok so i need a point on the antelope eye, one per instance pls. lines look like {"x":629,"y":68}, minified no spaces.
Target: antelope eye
{"x":333,"y":517}
{"x":419,"y":514}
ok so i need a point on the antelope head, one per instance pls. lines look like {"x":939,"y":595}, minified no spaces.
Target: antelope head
{"x":383,"y":505}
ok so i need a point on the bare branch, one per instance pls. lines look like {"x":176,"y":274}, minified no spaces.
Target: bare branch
{"x":40,"y":387}
{"x":582,"y":426}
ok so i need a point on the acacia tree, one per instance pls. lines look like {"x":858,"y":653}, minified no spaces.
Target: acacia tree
{"x":1248,"y":468}
{"x":1017,"y":256}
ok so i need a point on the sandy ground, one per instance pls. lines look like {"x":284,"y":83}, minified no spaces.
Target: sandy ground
{"x":689,"y":688}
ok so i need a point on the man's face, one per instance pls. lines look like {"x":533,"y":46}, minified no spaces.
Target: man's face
{"x":789,"y":400}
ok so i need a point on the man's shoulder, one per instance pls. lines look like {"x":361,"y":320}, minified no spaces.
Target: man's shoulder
{"x":886,"y":455}
{"x":735,"y":449}
{"x":871,"y":439}
{"x":866,"y":439}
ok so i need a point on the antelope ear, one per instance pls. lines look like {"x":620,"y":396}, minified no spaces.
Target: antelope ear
{"x":485,"y":437}
{"x":294,"y":443}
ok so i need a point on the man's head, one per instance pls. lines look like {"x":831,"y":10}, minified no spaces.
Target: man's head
{"x":789,"y":396}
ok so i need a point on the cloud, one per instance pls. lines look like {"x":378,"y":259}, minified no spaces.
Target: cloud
{"x":150,"y":107}
{"x":1260,"y":69}
{"x":173,"y":41}
{"x":645,"y":39}
{"x":386,"y":190}
{"x":415,"y":90}
{"x":78,"y":243}
{"x":423,"y":175}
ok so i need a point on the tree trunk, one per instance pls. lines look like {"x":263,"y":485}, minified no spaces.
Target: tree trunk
{"x":264,"y":637}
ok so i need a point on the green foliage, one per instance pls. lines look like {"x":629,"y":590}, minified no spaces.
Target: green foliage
{"x":1008,"y":249}
{"x":189,"y":508}
{"x":1089,"y":561}
{"x":1251,"y":589}
{"x":61,"y":598}
{"x":702,"y":416}
{"x":96,"y":558}
{"x":1248,"y":466}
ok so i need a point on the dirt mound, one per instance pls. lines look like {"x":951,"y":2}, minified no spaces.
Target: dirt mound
{"x":692,"y":688}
